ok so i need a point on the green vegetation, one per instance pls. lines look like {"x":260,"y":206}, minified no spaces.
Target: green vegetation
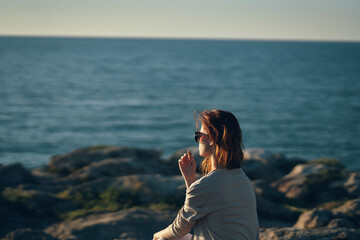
{"x":100,"y":147}
{"x":328,"y":161}
{"x":315,"y":182}
{"x":16,"y":195}
{"x":113,"y":199}
{"x":319,"y":182}
{"x":332,"y":204}
{"x":296,"y":208}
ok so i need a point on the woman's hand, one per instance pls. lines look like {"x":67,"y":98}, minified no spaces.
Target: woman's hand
{"x":157,"y":236}
{"x":187,"y":167}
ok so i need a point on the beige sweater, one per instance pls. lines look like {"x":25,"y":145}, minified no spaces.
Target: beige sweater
{"x":220,"y":206}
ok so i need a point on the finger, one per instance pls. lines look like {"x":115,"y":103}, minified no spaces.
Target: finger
{"x":184,"y":157}
{"x":191,"y":157}
{"x":188,"y":155}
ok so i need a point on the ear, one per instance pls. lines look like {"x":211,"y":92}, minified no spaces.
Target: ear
{"x":211,"y":142}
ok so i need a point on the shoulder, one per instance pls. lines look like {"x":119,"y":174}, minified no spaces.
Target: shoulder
{"x":216,"y":180}
{"x":205,"y":184}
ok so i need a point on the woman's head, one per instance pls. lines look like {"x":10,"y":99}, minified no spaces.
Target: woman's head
{"x":223,"y":139}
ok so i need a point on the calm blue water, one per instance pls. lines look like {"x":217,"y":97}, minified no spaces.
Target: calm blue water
{"x":298,"y":98}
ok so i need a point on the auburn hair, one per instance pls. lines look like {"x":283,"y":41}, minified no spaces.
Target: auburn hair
{"x":224,"y":130}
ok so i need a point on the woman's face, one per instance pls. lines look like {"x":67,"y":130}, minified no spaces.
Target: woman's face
{"x":205,"y":148}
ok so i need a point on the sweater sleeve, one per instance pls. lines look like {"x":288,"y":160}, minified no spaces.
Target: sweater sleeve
{"x":195,"y":208}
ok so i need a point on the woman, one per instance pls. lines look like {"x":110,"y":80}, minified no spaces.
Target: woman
{"x":221,"y":205}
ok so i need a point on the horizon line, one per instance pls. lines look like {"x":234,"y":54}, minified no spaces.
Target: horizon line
{"x":179,"y":38}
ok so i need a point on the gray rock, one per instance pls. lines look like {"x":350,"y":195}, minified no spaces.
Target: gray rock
{"x":115,"y":167}
{"x":270,"y":203}
{"x":341,"y":223}
{"x":310,"y":183}
{"x":79,"y":158}
{"x":152,"y":188}
{"x":350,"y":209}
{"x":263,"y":164}
{"x":352,"y":185}
{"x":129,"y":224}
{"x":309,"y":234}
{"x":28,"y":234}
{"x":315,"y":218}
{"x":146,"y":189}
{"x":34,"y":202}
{"x":14,"y":174}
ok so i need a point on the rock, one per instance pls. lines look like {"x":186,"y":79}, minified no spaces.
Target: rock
{"x":129,"y":224}
{"x":314,"y":219}
{"x":14,"y":174}
{"x":308,"y":183}
{"x":28,"y":234}
{"x":352,"y":185}
{"x":263,"y":164}
{"x":350,"y":210}
{"x":79,"y":158}
{"x":34,"y":202}
{"x":309,"y":234}
{"x":270,"y":203}
{"x":270,"y":210}
{"x":263,"y":188}
{"x":137,"y":190}
{"x":341,"y":223}
{"x":115,"y":167}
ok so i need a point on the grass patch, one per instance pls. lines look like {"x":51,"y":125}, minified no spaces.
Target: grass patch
{"x":332,"y":204}
{"x":316,"y":182}
{"x":100,"y":147}
{"x":16,"y":195}
{"x":112,"y":199}
{"x":328,"y":161}
{"x":296,"y":208}
{"x":161,"y":206}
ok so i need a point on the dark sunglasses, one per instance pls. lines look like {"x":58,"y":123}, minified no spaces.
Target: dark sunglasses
{"x":198,"y":135}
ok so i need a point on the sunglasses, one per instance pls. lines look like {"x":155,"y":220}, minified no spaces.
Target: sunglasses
{"x":198,"y":135}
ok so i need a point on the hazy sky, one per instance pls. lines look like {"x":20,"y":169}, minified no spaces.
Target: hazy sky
{"x":249,"y":19}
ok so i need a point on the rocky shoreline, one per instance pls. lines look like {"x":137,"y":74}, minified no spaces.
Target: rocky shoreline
{"x":110,"y":192}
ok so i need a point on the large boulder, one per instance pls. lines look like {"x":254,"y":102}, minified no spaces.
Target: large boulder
{"x":315,"y":218}
{"x":263,"y":164}
{"x":271,"y":203}
{"x":309,"y":183}
{"x":35,"y":202}
{"x":128,"y":191}
{"x":341,"y":223}
{"x":352,"y":184}
{"x":292,"y":185}
{"x":14,"y":174}
{"x":350,"y":209}
{"x":28,"y":234}
{"x":136,"y":223}
{"x":79,"y":158}
{"x":146,"y":189}
{"x":115,"y":167}
{"x":289,"y":233}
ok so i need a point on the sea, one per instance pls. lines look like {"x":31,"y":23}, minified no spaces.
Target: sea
{"x":298,"y":98}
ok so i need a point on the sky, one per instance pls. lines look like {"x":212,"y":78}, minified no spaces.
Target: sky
{"x":337,"y":20}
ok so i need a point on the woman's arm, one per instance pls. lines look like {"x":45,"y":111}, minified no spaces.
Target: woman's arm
{"x":165,"y":233}
{"x":187,"y":167}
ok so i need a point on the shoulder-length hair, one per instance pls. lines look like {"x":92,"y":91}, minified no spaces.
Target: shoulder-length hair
{"x":224,"y":130}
